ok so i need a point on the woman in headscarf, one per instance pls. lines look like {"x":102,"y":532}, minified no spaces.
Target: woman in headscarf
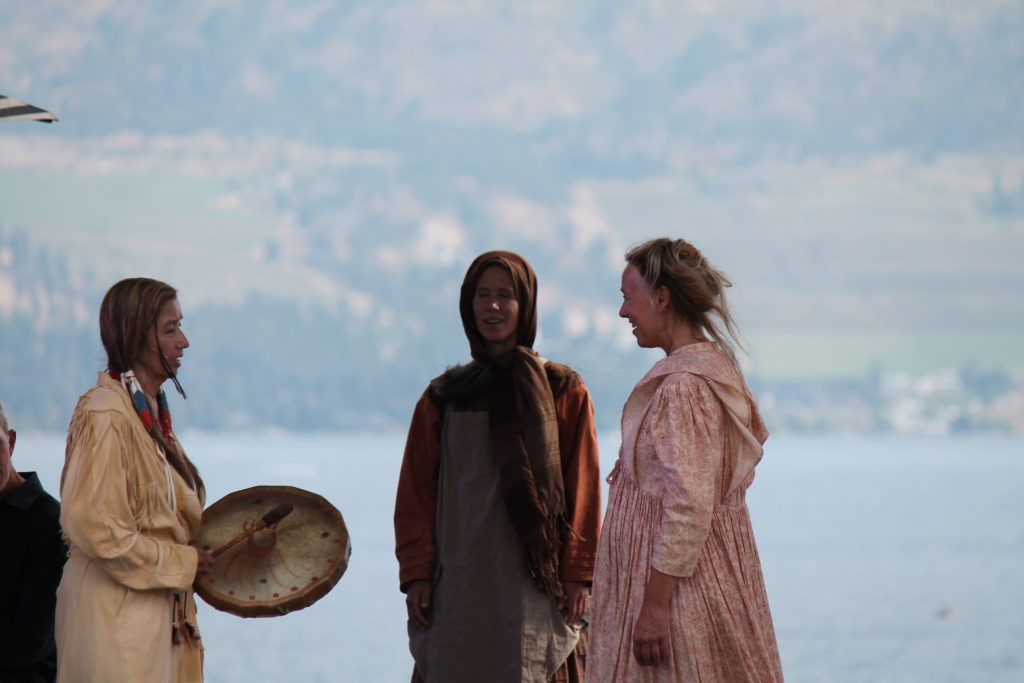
{"x":131,"y":502}
{"x":678,"y":591}
{"x":498,"y":508}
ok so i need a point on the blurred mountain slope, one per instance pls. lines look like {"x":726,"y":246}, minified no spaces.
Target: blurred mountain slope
{"x":597,"y":79}
{"x":314,"y":178}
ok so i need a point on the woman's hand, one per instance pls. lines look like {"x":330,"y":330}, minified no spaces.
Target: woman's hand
{"x":610,"y":479}
{"x":417,"y":601}
{"x":576,"y":601}
{"x":651,"y":633}
{"x":205,"y":562}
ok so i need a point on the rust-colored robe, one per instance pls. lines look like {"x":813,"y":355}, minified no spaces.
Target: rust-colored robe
{"x":487,"y":620}
{"x":128,"y":518}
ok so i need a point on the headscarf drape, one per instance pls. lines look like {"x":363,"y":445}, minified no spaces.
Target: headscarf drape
{"x":524,"y":282}
{"x":522,"y":421}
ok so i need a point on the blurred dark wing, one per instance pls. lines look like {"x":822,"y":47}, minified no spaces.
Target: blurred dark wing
{"x":13,"y":110}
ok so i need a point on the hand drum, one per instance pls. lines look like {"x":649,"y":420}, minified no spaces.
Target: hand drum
{"x":269,"y":570}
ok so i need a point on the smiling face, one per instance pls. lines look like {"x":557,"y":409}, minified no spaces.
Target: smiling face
{"x":166,"y":338}
{"x":496,"y":310}
{"x":640,"y":308}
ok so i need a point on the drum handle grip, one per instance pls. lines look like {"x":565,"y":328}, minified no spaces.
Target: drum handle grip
{"x":269,"y":519}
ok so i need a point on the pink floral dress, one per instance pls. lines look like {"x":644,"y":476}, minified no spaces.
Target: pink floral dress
{"x":691,"y":436}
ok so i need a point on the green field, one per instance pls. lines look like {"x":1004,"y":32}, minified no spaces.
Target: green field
{"x":61,"y":206}
{"x":816,"y":355}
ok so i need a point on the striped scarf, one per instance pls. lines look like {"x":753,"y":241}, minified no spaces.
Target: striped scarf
{"x":524,"y":439}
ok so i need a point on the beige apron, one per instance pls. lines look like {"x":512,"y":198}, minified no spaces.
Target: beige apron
{"x":488,"y":621}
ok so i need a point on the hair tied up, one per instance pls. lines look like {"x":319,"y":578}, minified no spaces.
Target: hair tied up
{"x":688,"y":252}
{"x":696,"y":288}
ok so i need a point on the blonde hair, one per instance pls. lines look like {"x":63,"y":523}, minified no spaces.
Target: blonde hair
{"x":4,"y":427}
{"x":696,"y":288}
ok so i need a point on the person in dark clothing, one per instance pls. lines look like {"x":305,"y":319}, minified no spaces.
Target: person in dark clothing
{"x":31,"y":560}
{"x":497,"y":513}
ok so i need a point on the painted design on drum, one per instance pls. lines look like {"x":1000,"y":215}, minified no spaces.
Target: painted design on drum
{"x":245,"y":573}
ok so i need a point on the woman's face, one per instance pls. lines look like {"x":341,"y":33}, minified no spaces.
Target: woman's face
{"x":496,"y":310}
{"x":639,"y":307}
{"x":167,"y":339}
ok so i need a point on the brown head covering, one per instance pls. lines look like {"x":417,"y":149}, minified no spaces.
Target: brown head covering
{"x":524,"y":282}
{"x":522,"y":421}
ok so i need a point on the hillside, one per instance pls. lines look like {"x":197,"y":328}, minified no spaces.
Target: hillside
{"x":314,"y":180}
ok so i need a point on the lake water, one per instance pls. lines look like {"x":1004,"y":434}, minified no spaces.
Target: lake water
{"x":886,"y":559}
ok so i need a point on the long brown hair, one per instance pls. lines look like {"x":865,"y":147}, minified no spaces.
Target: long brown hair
{"x":696,"y":288}
{"x":127,"y":315}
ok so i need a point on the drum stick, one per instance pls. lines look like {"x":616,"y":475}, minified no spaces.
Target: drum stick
{"x":269,"y":519}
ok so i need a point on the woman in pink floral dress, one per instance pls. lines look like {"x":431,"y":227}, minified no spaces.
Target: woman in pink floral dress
{"x":678,"y":590}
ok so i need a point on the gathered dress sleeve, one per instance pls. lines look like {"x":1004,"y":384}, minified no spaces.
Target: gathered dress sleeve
{"x":577,"y":440}
{"x":687,"y":429}
{"x":96,"y":510}
{"x":416,"y":500}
